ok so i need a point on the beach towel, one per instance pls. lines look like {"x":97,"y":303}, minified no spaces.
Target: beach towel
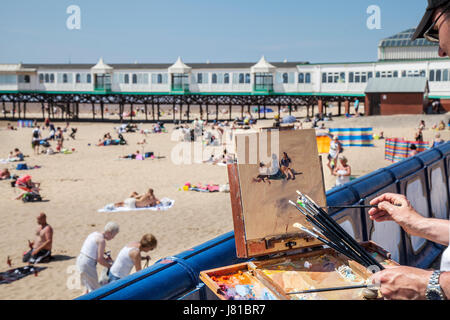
{"x":207,"y":188}
{"x":165,"y":204}
{"x":5,"y":161}
{"x":354,"y":137}
{"x":19,"y":273}
{"x":397,"y":149}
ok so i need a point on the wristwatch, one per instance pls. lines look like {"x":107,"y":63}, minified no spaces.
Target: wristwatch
{"x":434,"y":291}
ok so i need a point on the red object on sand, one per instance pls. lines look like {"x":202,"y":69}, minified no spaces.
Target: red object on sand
{"x":9,"y":262}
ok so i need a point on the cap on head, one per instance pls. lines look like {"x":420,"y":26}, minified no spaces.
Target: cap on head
{"x":427,"y":19}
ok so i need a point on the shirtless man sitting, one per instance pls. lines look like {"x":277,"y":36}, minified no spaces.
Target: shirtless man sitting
{"x":41,"y":248}
{"x":135,"y":200}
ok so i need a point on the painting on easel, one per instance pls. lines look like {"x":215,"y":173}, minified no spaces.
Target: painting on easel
{"x":271,"y":166}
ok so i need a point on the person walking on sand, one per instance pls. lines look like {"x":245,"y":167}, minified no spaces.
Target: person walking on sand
{"x":36,"y":139}
{"x":335,"y":150}
{"x":419,"y":136}
{"x":130,"y":256}
{"x":92,"y":252}
{"x":41,"y":247}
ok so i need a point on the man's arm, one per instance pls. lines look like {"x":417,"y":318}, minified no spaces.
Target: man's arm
{"x":395,"y":207}
{"x":100,"y":254}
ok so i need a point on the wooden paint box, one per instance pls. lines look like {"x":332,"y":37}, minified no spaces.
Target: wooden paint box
{"x":284,"y":259}
{"x":273,"y":279}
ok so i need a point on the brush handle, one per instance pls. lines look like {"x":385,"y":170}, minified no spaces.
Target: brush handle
{"x":330,"y":289}
{"x":357,"y":206}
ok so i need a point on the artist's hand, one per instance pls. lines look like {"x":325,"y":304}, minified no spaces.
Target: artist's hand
{"x":394,"y":207}
{"x":402,"y":283}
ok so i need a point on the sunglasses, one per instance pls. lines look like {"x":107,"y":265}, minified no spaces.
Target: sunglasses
{"x":432,"y":33}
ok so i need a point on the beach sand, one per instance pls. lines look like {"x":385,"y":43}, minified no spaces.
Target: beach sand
{"x":79,"y":184}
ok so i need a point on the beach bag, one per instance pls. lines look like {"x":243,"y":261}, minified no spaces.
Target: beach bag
{"x":29,"y":197}
{"x":22,"y":166}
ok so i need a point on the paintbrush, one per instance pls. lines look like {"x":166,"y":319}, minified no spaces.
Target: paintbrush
{"x":325,"y":241}
{"x":334,"y":228}
{"x":356,"y":206}
{"x":353,"y":206}
{"x":361,"y":286}
{"x":337,"y":240}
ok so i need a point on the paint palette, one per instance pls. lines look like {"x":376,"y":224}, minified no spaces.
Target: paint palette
{"x":237,"y":282}
{"x":274,"y":279}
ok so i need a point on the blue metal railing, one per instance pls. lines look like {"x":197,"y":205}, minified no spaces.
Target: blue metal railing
{"x":177,"y":277}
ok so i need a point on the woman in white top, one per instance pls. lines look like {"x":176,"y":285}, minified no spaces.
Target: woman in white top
{"x":342,"y":171}
{"x":404,"y":282}
{"x":335,"y":150}
{"x":92,"y":252}
{"x":130,"y":256}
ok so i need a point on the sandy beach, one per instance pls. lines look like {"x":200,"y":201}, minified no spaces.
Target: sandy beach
{"x":79,"y":184}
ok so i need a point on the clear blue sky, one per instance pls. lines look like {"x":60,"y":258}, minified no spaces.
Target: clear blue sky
{"x":199,"y":30}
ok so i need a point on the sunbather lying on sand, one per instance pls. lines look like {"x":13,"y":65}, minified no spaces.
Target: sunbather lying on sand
{"x":5,"y":174}
{"x":137,"y":155}
{"x":135,"y":200}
